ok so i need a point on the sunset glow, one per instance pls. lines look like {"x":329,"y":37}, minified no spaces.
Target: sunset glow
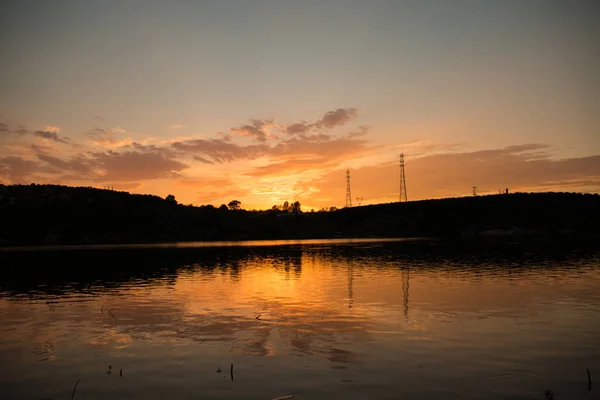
{"x":269,"y":101}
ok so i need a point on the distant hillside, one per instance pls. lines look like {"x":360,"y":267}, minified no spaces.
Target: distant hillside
{"x":49,"y":214}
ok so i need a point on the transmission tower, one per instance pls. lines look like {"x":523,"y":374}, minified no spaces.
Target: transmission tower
{"x":474,"y":190}
{"x":359,"y":200}
{"x":402,"y":196}
{"x":348,"y":195}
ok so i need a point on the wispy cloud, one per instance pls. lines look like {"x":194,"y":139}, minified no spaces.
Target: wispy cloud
{"x":258,"y":129}
{"x":44,"y":148}
{"x":329,"y":120}
{"x":52,"y":128}
{"x":339,"y":117}
{"x":109,"y":138}
{"x":136,"y":166}
{"x":219,"y":150}
{"x":51,"y":135}
{"x":22,"y":130}
{"x":17,"y":169}
{"x":420,"y":148}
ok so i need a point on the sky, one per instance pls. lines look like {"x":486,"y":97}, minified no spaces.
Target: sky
{"x":271,"y":101}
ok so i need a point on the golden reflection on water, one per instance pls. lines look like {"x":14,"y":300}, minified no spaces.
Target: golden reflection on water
{"x":369,"y":316}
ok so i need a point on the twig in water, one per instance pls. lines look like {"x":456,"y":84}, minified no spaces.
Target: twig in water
{"x":110,"y":312}
{"x":549,"y":395}
{"x":219,"y":370}
{"x":102,"y":310}
{"x":589,"y":379}
{"x":74,"y":389}
{"x":258,"y":316}
{"x":291,"y":396}
{"x":231,"y":372}
{"x":121,"y":372}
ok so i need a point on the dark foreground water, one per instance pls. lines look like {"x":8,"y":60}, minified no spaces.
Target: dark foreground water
{"x":318,"y":321}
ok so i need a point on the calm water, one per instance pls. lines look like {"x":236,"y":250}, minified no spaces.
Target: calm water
{"x":319,"y":321}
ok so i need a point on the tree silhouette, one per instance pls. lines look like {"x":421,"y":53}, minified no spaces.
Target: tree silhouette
{"x":296,"y":207}
{"x":171,"y":199}
{"x":234,"y":204}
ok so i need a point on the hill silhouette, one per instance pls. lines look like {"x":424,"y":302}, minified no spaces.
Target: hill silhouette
{"x":57,"y":215}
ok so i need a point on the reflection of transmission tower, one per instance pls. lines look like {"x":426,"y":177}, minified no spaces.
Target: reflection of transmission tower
{"x":405,"y":286}
{"x":350,"y":290}
{"x":348,"y":195}
{"x":402,"y":180}
{"x":359,"y":200}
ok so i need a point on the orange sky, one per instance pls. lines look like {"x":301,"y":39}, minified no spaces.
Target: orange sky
{"x":272,"y":102}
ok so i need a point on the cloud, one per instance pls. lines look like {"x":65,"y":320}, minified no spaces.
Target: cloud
{"x":50,"y":135}
{"x":136,"y":166}
{"x":302,"y":154}
{"x":419,"y":148}
{"x":22,"y":130}
{"x":97,"y":132}
{"x":299,"y":128}
{"x":219,"y":150}
{"x":151,"y":148}
{"x":78,"y":164}
{"x":284,"y":156}
{"x":291,"y":166}
{"x":110,"y":166}
{"x":50,"y":132}
{"x":319,"y":137}
{"x":43,"y":149}
{"x":330,"y":120}
{"x":338,"y":117}
{"x":127,"y":161}
{"x":17,"y":169}
{"x":362,"y":131}
{"x":52,"y":128}
{"x":107,"y":138}
{"x":203,"y":160}
{"x":258,"y":129}
{"x":176,"y":126}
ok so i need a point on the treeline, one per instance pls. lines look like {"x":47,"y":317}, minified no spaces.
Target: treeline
{"x":50,"y":214}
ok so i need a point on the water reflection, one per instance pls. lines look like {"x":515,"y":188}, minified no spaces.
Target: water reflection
{"x":386,"y":318}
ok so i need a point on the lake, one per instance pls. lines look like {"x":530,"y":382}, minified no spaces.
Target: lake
{"x":317,"y":320}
